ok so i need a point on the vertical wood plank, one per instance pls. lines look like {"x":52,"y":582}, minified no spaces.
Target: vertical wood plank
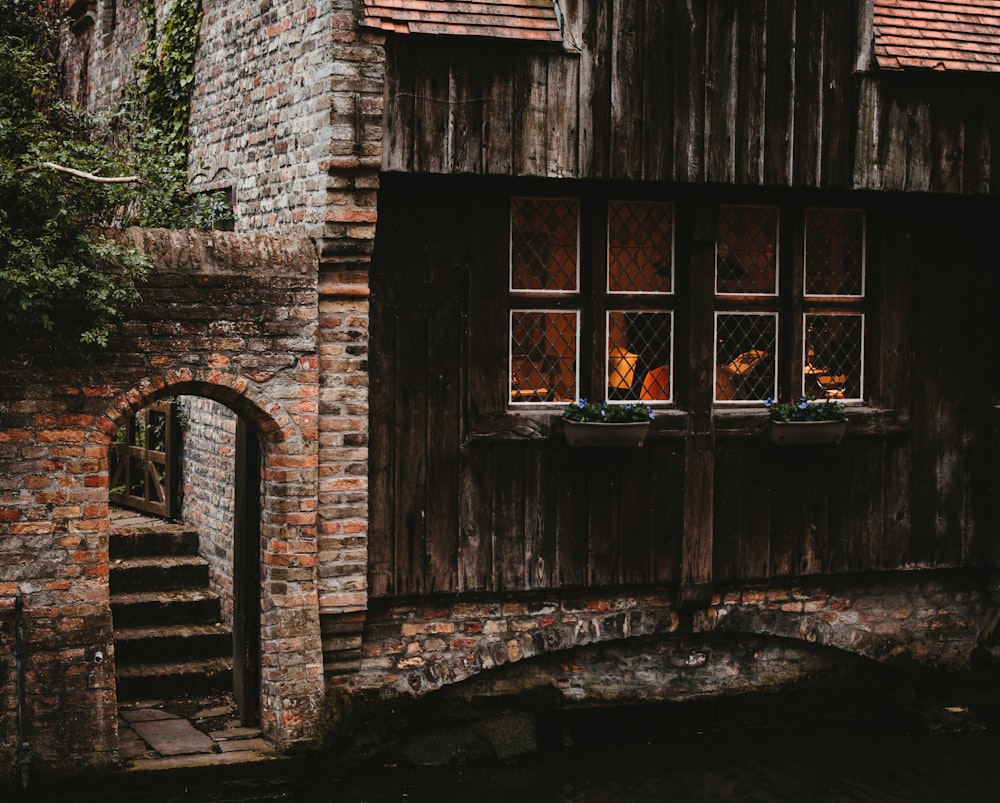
{"x":468,"y":101}
{"x":809,"y":44}
{"x":751,"y":92}
{"x":666,"y":510}
{"x":699,"y":455}
{"x":562,"y":135}
{"x":476,"y":526}
{"x":982,"y":117}
{"x":893,"y":151}
{"x":572,"y":517}
{"x":779,"y":128}
{"x":397,"y":144}
{"x":603,"y":500}
{"x":758,"y":491}
{"x":498,"y":116}
{"x":410,"y":433}
{"x":688,"y":26}
{"x":727,"y":514}
{"x":658,"y":55}
{"x":721,"y":88}
{"x":840,"y":96}
{"x":383,"y":410}
{"x":595,"y":92}
{"x":634,"y":505}
{"x":508,"y":517}
{"x":946,"y":142}
{"x":530,"y":123}
{"x":626,"y":90}
{"x":431,"y":113}
{"x":867,"y":166}
{"x":446,"y":293}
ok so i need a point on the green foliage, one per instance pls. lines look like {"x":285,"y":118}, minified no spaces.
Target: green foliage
{"x":58,"y":270}
{"x":805,"y":409}
{"x":156,"y":114}
{"x":55,"y":265}
{"x":604,"y":413}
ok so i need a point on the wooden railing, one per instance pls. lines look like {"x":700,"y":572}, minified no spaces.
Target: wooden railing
{"x":144,"y":472}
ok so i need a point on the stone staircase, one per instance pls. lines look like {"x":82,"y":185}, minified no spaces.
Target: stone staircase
{"x":169,"y":641}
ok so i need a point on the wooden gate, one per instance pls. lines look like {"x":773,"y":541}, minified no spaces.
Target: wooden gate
{"x":143,"y":458}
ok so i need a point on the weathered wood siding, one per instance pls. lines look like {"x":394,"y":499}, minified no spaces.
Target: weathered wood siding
{"x":467,"y":496}
{"x":755,"y":92}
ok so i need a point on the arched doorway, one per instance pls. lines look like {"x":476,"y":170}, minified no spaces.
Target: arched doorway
{"x":185,"y":567}
{"x":290,"y":669}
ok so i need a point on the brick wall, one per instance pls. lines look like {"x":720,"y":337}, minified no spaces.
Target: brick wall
{"x":228,"y":317}
{"x":287,"y":113}
{"x":208,"y":471}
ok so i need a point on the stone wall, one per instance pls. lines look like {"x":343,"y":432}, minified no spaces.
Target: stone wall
{"x":208,"y":472}
{"x":921,"y":619}
{"x":228,"y":317}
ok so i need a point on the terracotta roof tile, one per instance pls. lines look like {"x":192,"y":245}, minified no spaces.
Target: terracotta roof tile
{"x":937,"y":35}
{"x":534,"y":20}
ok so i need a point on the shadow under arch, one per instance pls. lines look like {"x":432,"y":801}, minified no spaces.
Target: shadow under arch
{"x":291,"y":685}
{"x":673,"y":667}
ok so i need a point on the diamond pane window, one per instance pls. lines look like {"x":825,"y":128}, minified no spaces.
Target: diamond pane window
{"x":745,"y":350}
{"x":544,"y":235}
{"x":543,"y":356}
{"x":639,"y":356}
{"x":746,"y":251}
{"x":640,"y":247}
{"x":834,"y":252}
{"x":833,"y":361}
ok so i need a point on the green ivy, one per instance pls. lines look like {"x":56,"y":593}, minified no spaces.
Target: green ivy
{"x":159,"y":113}
{"x":167,"y":67}
{"x":58,"y":271}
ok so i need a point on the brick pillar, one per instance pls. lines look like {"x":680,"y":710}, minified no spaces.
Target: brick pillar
{"x":345,"y":256}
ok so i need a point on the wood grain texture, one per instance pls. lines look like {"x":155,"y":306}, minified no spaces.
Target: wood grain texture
{"x":758,"y":93}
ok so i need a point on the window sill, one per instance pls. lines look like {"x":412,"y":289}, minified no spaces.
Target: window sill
{"x":864,"y":421}
{"x":742,"y":422}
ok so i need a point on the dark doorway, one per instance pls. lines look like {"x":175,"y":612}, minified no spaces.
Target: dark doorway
{"x":246,"y":575}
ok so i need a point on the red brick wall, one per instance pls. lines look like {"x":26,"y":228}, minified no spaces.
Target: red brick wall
{"x":228,"y":317}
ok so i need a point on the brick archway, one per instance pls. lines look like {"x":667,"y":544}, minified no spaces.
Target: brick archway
{"x":291,"y":648}
{"x":231,"y":317}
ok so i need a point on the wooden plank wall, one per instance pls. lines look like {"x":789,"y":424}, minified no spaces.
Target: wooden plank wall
{"x":756,"y":92}
{"x":453,"y":511}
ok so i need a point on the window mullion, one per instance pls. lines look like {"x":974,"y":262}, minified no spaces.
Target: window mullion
{"x":792,"y":304}
{"x":593,"y":302}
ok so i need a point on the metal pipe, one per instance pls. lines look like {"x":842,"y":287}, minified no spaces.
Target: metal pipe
{"x":20,"y":653}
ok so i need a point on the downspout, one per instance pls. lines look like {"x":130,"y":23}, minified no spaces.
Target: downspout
{"x":24,"y":753}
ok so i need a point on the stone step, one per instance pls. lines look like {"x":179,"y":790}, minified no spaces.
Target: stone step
{"x":147,"y":542}
{"x":158,"y":573}
{"x":178,"y":606}
{"x":175,"y":679}
{"x":139,"y":645}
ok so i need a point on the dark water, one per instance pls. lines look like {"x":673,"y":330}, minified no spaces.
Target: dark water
{"x":936,"y":751}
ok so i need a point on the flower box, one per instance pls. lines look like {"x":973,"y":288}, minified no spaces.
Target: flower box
{"x":801,"y":433}
{"x":591,"y":433}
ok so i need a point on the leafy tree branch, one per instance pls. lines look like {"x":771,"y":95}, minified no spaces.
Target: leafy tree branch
{"x":68,"y":175}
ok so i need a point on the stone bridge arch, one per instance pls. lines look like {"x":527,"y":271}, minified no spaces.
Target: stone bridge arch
{"x":417,"y":649}
{"x":290,"y":643}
